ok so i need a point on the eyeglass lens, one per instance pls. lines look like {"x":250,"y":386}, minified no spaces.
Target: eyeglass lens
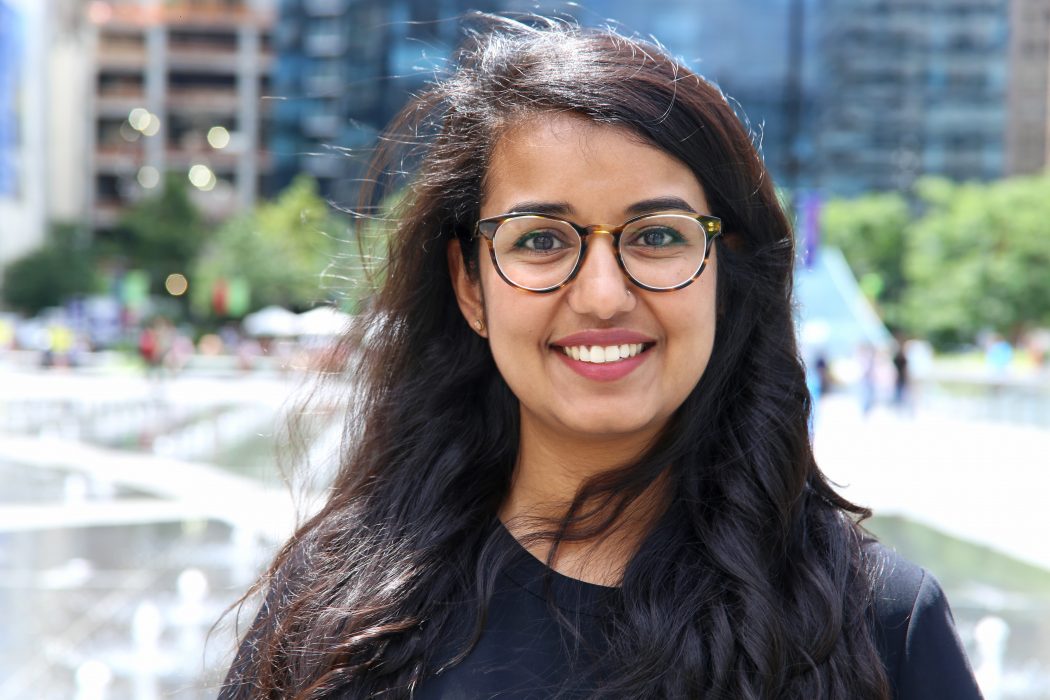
{"x":660,"y":251}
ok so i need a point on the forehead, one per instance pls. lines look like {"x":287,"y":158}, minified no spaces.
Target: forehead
{"x":597,"y":171}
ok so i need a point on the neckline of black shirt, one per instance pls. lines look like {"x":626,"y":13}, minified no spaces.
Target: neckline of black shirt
{"x":536,"y":578}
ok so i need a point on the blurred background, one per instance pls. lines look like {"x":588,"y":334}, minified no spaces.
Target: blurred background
{"x":174,"y":264}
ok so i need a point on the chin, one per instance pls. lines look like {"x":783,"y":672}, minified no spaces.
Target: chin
{"x":613,"y":428}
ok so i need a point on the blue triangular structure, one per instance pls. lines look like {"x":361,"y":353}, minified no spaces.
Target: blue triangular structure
{"x":833,"y":315}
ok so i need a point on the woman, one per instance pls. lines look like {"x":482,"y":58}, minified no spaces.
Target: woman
{"x":579,"y":462}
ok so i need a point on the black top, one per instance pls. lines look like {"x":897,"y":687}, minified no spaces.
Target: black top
{"x":523,"y":653}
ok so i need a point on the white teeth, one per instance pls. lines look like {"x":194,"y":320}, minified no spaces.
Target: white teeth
{"x":598,"y":354}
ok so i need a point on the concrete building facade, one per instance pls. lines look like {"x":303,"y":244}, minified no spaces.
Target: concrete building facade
{"x":177,"y":87}
{"x":1028,"y":104}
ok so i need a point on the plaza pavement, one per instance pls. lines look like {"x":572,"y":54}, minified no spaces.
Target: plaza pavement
{"x":983,"y":481}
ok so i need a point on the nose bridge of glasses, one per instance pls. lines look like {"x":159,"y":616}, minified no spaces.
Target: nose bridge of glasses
{"x":592,"y":242}
{"x":587,"y":232}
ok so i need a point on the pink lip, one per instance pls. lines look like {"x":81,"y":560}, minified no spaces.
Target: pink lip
{"x":606,"y":372}
{"x":603,"y":337}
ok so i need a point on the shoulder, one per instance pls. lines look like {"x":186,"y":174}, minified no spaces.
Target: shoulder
{"x":915,"y":630}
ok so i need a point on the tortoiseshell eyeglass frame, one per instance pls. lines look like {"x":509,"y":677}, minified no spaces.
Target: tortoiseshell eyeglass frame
{"x":487,"y":227}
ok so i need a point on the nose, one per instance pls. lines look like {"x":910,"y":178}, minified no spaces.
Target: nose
{"x":600,"y":288}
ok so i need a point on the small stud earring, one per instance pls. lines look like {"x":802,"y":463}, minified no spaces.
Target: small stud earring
{"x":479,"y":325}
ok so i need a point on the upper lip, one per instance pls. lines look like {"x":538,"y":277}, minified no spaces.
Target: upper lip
{"x":603,"y":337}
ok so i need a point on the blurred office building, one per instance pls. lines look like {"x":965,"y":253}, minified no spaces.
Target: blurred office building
{"x":916,"y":87}
{"x":763,"y":54}
{"x":238,"y":96}
{"x":345,"y":67}
{"x":176,"y":86}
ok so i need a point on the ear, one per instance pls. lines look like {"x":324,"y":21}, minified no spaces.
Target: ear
{"x":468,"y":290}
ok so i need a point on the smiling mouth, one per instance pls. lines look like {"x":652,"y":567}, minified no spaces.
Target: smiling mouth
{"x":603,"y":354}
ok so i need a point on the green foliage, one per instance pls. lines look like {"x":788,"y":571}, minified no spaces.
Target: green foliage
{"x":162,"y":234}
{"x":980,"y":258}
{"x":975,"y":256}
{"x":870,"y":232}
{"x":49,"y":275}
{"x":280,"y":250}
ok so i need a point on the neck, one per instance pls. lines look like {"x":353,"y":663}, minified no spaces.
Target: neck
{"x":550,"y":470}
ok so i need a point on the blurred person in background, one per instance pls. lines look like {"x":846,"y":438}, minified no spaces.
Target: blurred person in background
{"x":576,"y":460}
{"x":902,"y":399}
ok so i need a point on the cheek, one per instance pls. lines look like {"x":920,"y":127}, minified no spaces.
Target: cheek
{"x":517,"y":323}
{"x":692,"y":327}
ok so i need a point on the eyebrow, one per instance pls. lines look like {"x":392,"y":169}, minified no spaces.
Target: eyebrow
{"x":561,"y":208}
{"x":659,"y":204}
{"x":645,"y":206}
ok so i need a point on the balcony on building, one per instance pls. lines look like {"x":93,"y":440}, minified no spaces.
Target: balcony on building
{"x":221,"y":162}
{"x":121,"y":50}
{"x":118,"y":93}
{"x":325,"y":84}
{"x":203,"y":51}
{"x":202,"y":99}
{"x":325,"y":44}
{"x":321,"y":125}
{"x":118,"y":159}
{"x":324,"y":8}
{"x":215,"y":14}
{"x":324,"y":165}
{"x":109,"y":200}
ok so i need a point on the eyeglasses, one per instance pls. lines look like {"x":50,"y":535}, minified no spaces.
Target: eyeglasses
{"x":658,"y":252}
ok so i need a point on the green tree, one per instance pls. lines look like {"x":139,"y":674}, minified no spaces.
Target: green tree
{"x":161,"y":234}
{"x":870,"y":231}
{"x":50,"y":275}
{"x":979,"y":258}
{"x":280,"y":250}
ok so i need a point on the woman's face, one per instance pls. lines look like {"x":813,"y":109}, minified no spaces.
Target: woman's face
{"x":590,"y":174}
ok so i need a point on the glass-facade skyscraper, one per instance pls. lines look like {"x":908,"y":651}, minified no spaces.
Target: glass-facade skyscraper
{"x":841,"y":96}
{"x":346,"y":66}
{"x":912,"y":87}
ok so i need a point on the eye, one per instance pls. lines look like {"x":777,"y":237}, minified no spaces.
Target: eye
{"x":656,"y":237}
{"x":540,"y":240}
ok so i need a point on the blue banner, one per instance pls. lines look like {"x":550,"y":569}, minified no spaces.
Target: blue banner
{"x":807,"y":211}
{"x":11,"y":57}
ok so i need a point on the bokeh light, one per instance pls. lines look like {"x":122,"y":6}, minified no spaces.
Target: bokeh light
{"x":148,"y":177}
{"x":153,"y":126}
{"x":139,"y":118}
{"x":202,"y":177}
{"x":176,"y":284}
{"x":218,"y":137}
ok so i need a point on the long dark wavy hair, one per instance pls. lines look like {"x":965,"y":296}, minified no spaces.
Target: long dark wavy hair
{"x":752,"y":583}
